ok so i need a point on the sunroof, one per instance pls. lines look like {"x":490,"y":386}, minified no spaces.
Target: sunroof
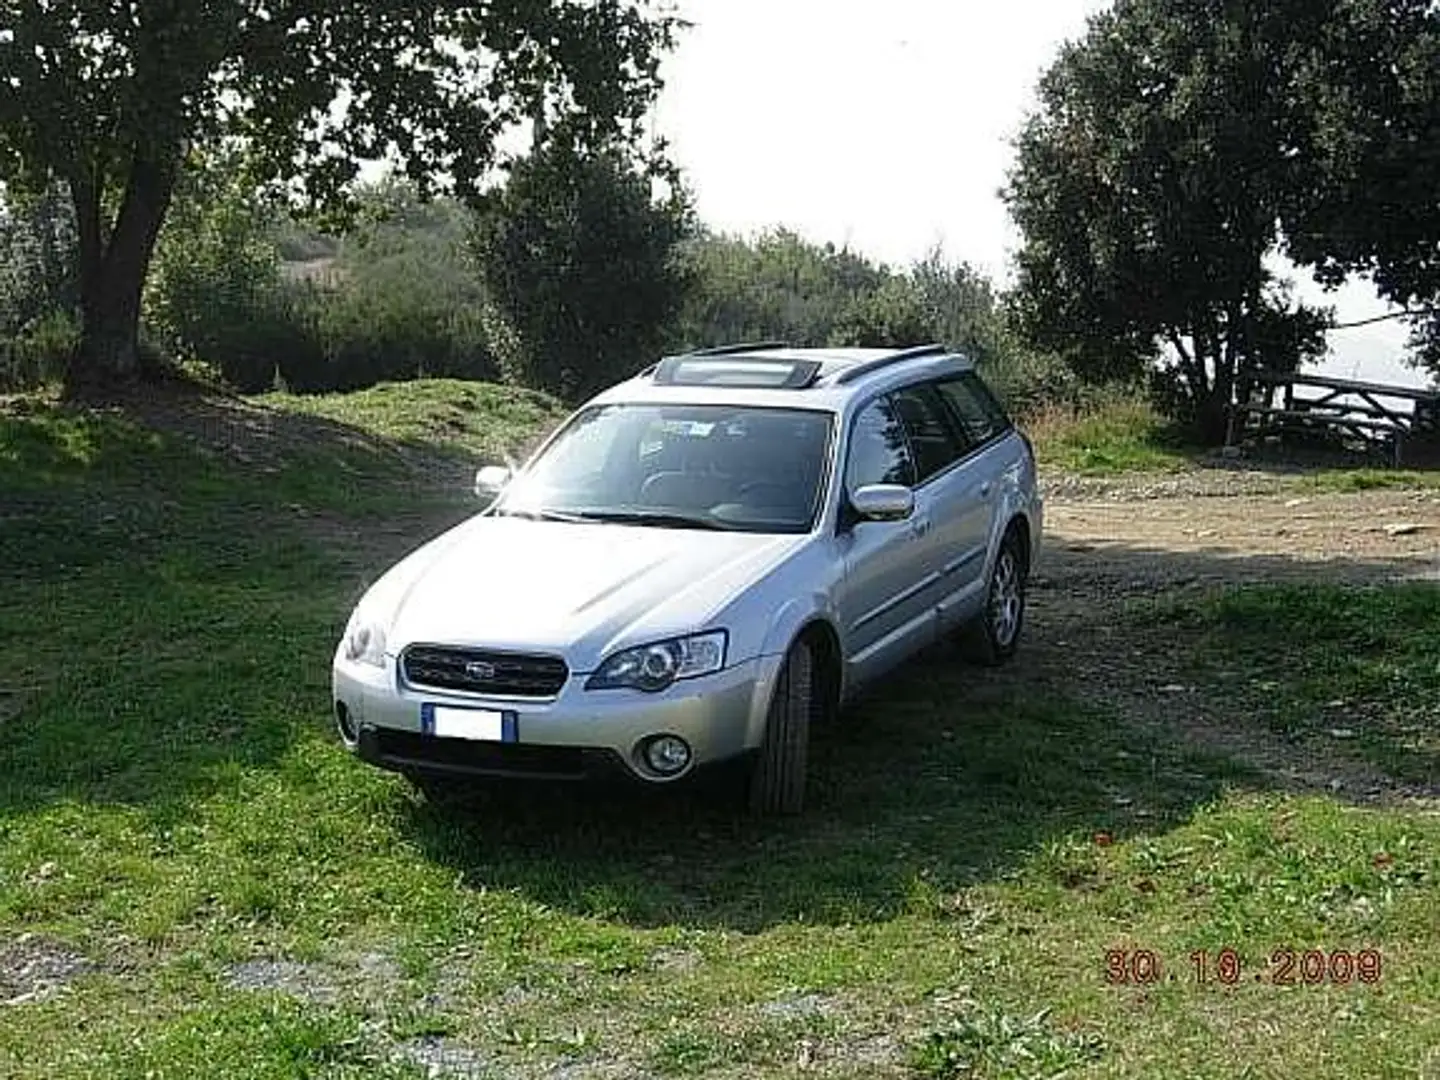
{"x":755,"y":372}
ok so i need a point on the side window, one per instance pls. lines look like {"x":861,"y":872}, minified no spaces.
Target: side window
{"x":879,"y":453}
{"x":933,"y":439}
{"x":975,"y":408}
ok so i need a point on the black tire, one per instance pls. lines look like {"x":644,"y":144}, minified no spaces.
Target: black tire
{"x":777,"y":781}
{"x":993,"y":636}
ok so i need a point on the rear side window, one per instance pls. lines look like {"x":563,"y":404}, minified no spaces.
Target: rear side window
{"x":933,"y":439}
{"x":879,"y":451}
{"x":980,"y":415}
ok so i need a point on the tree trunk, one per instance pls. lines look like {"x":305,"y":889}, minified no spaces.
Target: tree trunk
{"x":113,"y":269}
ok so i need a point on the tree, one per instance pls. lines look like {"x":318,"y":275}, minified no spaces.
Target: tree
{"x":578,"y":257}
{"x":1369,"y":203}
{"x":777,"y":287}
{"x":111,"y":97}
{"x":1149,"y":187}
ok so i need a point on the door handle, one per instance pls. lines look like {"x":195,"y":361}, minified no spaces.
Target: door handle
{"x":985,"y":489}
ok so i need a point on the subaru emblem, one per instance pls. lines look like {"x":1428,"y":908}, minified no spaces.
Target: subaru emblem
{"x":480,"y":671}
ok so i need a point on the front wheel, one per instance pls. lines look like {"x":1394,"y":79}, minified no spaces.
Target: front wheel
{"x":992,"y":638}
{"x":777,"y":782}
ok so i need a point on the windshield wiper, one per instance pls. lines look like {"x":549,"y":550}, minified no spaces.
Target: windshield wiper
{"x":659,"y":519}
{"x":545,"y":515}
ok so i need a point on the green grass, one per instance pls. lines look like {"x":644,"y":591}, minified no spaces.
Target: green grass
{"x":477,"y":419}
{"x":1350,"y":665}
{"x":1120,"y":435}
{"x":172,"y":805}
{"x":1346,"y":481}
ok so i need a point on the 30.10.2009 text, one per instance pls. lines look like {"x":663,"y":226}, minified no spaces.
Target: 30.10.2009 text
{"x":1286,"y":967}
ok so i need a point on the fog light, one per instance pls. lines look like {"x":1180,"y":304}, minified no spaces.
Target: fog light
{"x":667,"y":754}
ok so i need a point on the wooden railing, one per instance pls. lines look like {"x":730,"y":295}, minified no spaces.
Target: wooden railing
{"x":1375,"y":414}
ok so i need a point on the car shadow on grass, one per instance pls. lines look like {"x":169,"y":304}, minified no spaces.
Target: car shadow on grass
{"x":926,"y":786}
{"x":946,"y":775}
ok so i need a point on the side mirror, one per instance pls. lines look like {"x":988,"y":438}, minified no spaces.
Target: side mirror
{"x":883,"y":502}
{"x":491,"y":480}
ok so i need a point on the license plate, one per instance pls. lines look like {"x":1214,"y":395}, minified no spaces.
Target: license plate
{"x":473,"y":725}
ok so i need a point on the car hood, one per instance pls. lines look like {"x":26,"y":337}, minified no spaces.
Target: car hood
{"x":581,"y":590}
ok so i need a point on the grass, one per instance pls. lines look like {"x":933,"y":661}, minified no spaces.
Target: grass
{"x":1325,"y":662}
{"x":1118,"y":435}
{"x":477,"y":419}
{"x":250,"y":902}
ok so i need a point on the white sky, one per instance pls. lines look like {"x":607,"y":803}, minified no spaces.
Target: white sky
{"x":885,"y":125}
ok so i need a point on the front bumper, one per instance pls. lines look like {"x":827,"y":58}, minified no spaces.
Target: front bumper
{"x":579,"y":734}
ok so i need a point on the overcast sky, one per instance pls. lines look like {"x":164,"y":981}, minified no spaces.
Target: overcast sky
{"x":886,"y":125}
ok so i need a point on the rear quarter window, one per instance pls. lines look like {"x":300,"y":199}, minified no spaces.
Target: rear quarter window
{"x":976,"y":409}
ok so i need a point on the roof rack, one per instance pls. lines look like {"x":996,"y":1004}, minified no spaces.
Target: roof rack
{"x":745,"y":347}
{"x":850,"y":374}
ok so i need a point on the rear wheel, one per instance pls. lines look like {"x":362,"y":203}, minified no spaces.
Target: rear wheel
{"x":777,"y":782}
{"x":992,"y":638}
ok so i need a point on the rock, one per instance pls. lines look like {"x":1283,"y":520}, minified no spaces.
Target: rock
{"x":1406,"y":529}
{"x":443,"y":1057}
{"x":300,"y":981}
{"x":1342,"y":733}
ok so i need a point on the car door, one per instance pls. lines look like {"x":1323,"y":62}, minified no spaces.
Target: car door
{"x":970,"y":493}
{"x":883,"y":602}
{"x":952,"y":501}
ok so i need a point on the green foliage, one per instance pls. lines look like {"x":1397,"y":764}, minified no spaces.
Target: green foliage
{"x":214,"y":293}
{"x":1177,"y":147}
{"x":985,"y":1042}
{"x":108,"y":97}
{"x":1149,"y":187}
{"x":578,"y":256}
{"x":891,"y":316}
{"x":400,"y":300}
{"x":40,"y":353}
{"x":1114,"y":431}
{"x":776,"y":288}
{"x":1371,"y":155}
{"x":38,"y":258}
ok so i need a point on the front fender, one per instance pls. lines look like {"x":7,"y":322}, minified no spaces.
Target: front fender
{"x":789,"y":621}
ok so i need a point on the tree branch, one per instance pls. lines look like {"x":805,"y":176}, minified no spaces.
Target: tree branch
{"x":1408,"y":313}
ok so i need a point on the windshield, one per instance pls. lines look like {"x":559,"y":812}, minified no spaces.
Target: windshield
{"x":680,"y":466}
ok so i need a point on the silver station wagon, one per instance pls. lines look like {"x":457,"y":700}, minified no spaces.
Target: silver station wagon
{"x":700,"y":566}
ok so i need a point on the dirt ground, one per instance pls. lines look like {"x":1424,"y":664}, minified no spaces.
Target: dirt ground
{"x":1105,"y":550}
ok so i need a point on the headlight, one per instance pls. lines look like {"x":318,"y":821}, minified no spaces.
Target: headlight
{"x":654,"y":667}
{"x":364,"y":642}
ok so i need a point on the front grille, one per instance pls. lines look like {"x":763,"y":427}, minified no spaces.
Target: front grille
{"x":480,"y":671}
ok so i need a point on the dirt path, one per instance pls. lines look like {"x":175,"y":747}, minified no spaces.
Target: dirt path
{"x":1103,"y":554}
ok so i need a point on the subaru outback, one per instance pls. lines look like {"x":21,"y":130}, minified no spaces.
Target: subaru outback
{"x":701,"y":565}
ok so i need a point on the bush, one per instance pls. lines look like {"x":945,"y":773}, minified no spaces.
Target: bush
{"x":577,"y":255}
{"x":41,"y":353}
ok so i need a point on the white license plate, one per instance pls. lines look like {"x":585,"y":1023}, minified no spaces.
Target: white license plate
{"x":474,"y":725}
